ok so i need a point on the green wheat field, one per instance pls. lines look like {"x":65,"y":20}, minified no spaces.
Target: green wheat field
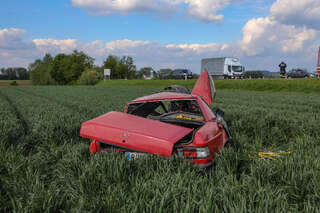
{"x":46,"y":167}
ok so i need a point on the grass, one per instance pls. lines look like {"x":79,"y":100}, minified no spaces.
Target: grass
{"x":274,"y":85}
{"x":147,"y":83}
{"x":46,"y":167}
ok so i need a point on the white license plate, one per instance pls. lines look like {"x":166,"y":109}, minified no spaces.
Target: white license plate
{"x":134,"y":155}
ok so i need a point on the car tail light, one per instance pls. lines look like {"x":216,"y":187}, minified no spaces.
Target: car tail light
{"x":194,"y":152}
{"x":94,"y":147}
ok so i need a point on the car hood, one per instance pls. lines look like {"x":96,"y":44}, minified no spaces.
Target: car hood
{"x":134,"y":132}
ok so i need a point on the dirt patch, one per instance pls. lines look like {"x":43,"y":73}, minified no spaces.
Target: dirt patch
{"x":21,"y":83}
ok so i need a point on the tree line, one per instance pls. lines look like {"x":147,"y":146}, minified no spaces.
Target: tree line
{"x":79,"y":68}
{"x":14,"y":73}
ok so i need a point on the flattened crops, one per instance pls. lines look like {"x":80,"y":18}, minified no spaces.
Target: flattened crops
{"x":46,"y":166}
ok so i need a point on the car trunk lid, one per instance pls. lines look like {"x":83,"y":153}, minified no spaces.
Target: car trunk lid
{"x":134,"y":132}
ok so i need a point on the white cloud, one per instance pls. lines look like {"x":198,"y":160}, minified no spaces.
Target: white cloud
{"x":268,"y":36}
{"x":11,"y":38}
{"x":202,"y":10}
{"x":206,"y":10}
{"x":265,"y":41}
{"x":289,"y":33}
{"x":145,"y":53}
{"x":106,"y":7}
{"x":14,"y":51}
{"x":196,"y":49}
{"x":297,"y":12}
{"x":56,"y":46}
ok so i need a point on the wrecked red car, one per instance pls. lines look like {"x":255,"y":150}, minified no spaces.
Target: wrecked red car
{"x":167,"y":123}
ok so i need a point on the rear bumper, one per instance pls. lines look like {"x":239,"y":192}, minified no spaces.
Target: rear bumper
{"x":196,"y":163}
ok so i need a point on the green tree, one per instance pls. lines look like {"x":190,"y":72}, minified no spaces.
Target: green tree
{"x":61,"y":65}
{"x":123,"y":68}
{"x":3,"y":75}
{"x":111,"y":63}
{"x":128,"y":69}
{"x":22,"y":73}
{"x":11,"y":73}
{"x":67,"y":69}
{"x":39,"y":71}
{"x":16,"y":73}
{"x":80,"y":62}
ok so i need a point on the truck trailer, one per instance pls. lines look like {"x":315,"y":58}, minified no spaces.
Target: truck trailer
{"x":223,"y":68}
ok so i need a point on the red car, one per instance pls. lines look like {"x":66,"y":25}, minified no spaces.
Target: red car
{"x":165,"y":124}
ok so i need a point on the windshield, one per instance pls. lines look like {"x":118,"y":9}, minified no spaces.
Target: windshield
{"x":237,"y":68}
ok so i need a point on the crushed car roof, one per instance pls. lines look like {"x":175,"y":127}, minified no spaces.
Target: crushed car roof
{"x":164,"y":96}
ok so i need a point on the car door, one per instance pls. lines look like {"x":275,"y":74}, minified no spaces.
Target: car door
{"x":205,"y":88}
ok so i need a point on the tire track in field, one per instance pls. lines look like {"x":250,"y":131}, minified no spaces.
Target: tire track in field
{"x":14,"y":109}
{"x":73,"y":107}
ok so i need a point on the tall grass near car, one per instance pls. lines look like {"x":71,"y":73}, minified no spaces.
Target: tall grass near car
{"x":46,"y":166}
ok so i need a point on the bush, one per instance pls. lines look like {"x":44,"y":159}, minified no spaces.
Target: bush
{"x":88,"y":77}
{"x":14,"y":83}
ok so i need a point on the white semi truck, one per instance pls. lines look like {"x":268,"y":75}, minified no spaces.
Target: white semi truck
{"x":222,"y":68}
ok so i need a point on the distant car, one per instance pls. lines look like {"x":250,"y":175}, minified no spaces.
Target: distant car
{"x":164,"y":124}
{"x":298,"y":73}
{"x":181,"y":73}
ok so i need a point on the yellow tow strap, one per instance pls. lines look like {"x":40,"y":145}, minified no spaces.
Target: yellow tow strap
{"x":267,"y":155}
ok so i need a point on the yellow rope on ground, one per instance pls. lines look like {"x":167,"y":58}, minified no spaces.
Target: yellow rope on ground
{"x":267,"y":155}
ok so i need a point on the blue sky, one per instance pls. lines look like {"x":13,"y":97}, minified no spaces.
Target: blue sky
{"x":59,"y":19}
{"x":162,"y":33}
